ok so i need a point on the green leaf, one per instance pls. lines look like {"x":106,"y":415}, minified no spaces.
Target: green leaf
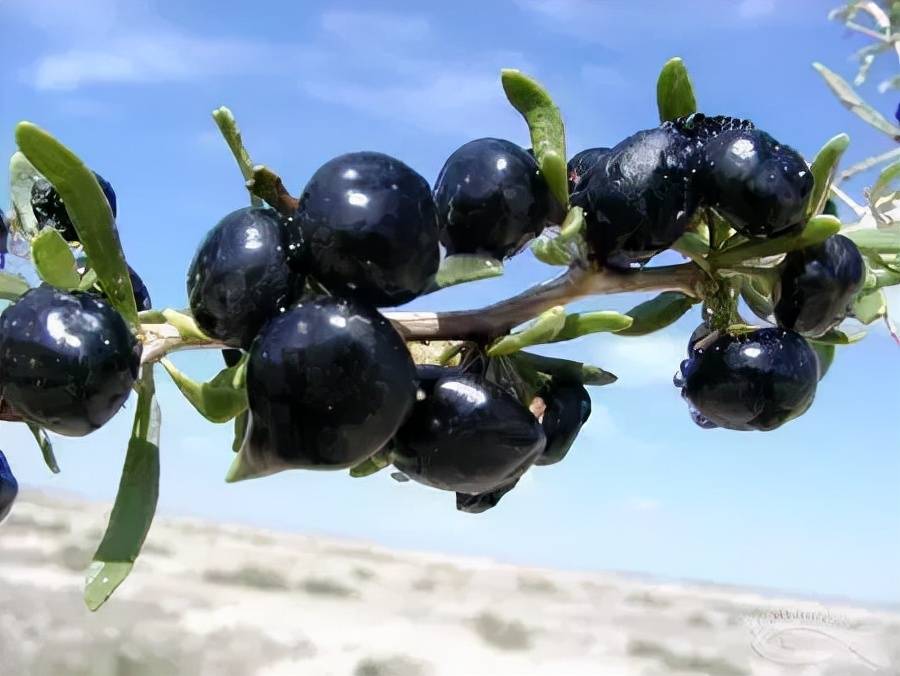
{"x":823,"y":169}
{"x":657,"y":313}
{"x":187,"y":327}
{"x":548,"y":136}
{"x":852,"y":101}
{"x":12,"y":286}
{"x":22,"y":176}
{"x":372,"y":465}
{"x":88,"y":280}
{"x":463,"y":268}
{"x":836,"y":337}
{"x":564,"y":370}
{"x":674,"y":91}
{"x":543,"y":330}
{"x":584,"y":323}
{"x":54,"y":261}
{"x":43,"y":442}
{"x":869,"y":306}
{"x":881,"y":241}
{"x":219,"y":400}
{"x":817,"y":229}
{"x":885,"y":193}
{"x":240,"y":430}
{"x":756,"y":298}
{"x":695,"y":247}
{"x":565,"y":247}
{"x":88,"y":210}
{"x":132,"y":513}
{"x":224,"y":119}
{"x":825,"y":355}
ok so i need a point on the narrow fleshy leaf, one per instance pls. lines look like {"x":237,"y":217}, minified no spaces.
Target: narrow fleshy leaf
{"x":543,"y":330}
{"x":185,"y":324}
{"x":823,"y":168}
{"x":54,"y":261}
{"x":12,"y":286}
{"x":43,"y":442}
{"x":853,"y":102}
{"x":657,"y":313}
{"x":228,"y":127}
{"x":818,"y":229}
{"x":220,"y":399}
{"x":674,"y":91}
{"x":884,"y":195}
{"x":548,"y":136}
{"x":463,"y":268}
{"x":564,"y":369}
{"x":869,"y":306}
{"x":693,"y":246}
{"x":372,"y":465}
{"x":135,"y":505}
{"x":88,"y":210}
{"x":22,"y":176}
{"x":837,"y":337}
{"x":584,"y":323}
{"x":567,"y":246}
{"x":825,"y":355}
{"x":882,"y":241}
{"x":240,"y":430}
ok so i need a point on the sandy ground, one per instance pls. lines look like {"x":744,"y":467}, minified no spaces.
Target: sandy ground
{"x":219,"y":600}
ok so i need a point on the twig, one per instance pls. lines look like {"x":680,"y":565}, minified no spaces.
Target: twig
{"x":868,"y":163}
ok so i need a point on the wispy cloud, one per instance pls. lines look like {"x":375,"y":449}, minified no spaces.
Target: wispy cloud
{"x":648,"y":361}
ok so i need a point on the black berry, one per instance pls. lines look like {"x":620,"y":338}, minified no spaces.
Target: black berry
{"x":329,"y":382}
{"x":481,"y":502}
{"x":9,"y":487}
{"x":68,"y":360}
{"x":141,"y":293}
{"x":491,"y":198}
{"x":817,"y":285}
{"x":466,"y":434}
{"x":640,"y":197}
{"x":759,"y":185}
{"x":567,"y":408}
{"x":751,"y":381}
{"x":583,"y":162}
{"x":50,"y":211}
{"x":240,"y":276}
{"x":368,"y":224}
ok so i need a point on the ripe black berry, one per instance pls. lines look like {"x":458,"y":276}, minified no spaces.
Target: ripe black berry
{"x":583,"y":162}
{"x":367,"y":221}
{"x":4,"y":240}
{"x":68,"y":360}
{"x":761,"y":187}
{"x":240,"y":276}
{"x":467,"y":435}
{"x":491,"y":198}
{"x":329,"y":382}
{"x":141,"y":293}
{"x":476,"y":504}
{"x":568,"y":408}
{"x":817,"y":285}
{"x":9,"y":487}
{"x":701,"y":128}
{"x":750,"y":381}
{"x":640,"y":197}
{"x":50,"y":211}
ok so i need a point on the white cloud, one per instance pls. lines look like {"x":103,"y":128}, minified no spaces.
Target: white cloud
{"x":646,"y":361}
{"x":753,"y":9}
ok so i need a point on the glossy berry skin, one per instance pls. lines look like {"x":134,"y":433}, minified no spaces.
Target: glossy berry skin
{"x":818,"y":284}
{"x":4,"y":237}
{"x":141,"y":293}
{"x":50,"y":211}
{"x":752,"y":381}
{"x":329,"y":383}
{"x":759,"y":185}
{"x":568,"y":408}
{"x":68,"y":360}
{"x":467,"y":435}
{"x":9,"y":488}
{"x":640,"y":199}
{"x":240,"y":276}
{"x":369,"y":228}
{"x":702,"y":128}
{"x":491,"y":198}
{"x":583,"y":162}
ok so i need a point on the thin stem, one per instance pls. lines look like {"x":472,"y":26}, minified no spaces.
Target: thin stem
{"x":490,"y":321}
{"x":869,"y":163}
{"x":228,"y":126}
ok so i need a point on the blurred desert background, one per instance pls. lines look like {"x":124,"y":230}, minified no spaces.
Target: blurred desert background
{"x":209,"y":599}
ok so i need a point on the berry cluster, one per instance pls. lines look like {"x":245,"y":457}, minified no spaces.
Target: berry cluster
{"x":330,"y":382}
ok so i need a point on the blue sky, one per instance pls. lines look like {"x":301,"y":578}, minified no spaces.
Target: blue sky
{"x":813,"y":507}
